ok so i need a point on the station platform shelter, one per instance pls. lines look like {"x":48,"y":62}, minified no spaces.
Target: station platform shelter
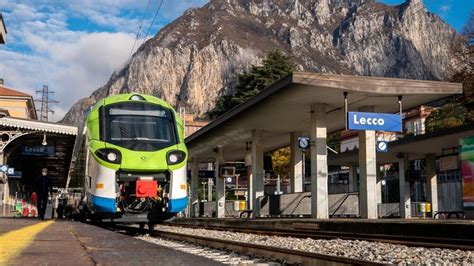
{"x":312,"y":105}
{"x":26,"y":146}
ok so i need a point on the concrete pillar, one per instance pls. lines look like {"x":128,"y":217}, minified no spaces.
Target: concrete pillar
{"x":257,"y":170}
{"x":296,"y":164}
{"x":319,"y":163}
{"x":220,"y":184}
{"x":353,"y":186}
{"x":5,"y":191}
{"x":432,"y":182}
{"x":378,"y":185}
{"x":405,"y":202}
{"x":368,"y":175}
{"x":194,"y":187}
{"x":249,"y":188}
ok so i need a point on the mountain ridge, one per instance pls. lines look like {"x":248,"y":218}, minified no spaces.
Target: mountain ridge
{"x":196,"y":58}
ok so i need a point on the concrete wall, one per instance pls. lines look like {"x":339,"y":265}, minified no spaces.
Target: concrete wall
{"x":294,"y":204}
{"x":299,"y":204}
{"x":208,"y":209}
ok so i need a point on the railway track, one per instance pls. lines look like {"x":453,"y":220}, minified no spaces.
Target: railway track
{"x":289,"y":256}
{"x":427,"y":242}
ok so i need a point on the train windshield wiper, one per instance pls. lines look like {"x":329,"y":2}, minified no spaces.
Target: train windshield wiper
{"x":144,"y":138}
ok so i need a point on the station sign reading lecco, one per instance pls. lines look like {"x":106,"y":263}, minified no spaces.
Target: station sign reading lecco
{"x":374,"y":121}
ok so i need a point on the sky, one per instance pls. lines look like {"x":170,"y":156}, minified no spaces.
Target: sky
{"x":74,"y":46}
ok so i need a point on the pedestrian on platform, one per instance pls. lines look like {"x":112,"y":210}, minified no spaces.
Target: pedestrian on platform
{"x":43,"y":187}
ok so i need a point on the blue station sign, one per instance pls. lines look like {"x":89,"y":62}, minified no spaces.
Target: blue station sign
{"x":374,"y":121}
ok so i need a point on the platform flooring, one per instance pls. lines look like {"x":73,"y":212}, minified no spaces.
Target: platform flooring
{"x":28,"y":241}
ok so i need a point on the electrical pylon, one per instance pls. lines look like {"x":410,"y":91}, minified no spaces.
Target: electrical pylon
{"x":44,"y":103}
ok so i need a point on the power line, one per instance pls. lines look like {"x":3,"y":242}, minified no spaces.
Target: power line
{"x":152,"y":22}
{"x":147,"y":32}
{"x":137,"y":36}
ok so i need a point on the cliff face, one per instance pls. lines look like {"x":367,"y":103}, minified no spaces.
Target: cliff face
{"x":193,"y":60}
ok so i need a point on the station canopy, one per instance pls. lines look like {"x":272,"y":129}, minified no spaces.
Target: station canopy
{"x":285,"y":107}
{"x":29,"y":145}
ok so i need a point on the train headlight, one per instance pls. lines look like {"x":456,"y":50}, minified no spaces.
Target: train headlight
{"x":109,"y":155}
{"x":112,"y":156}
{"x":175,"y":157}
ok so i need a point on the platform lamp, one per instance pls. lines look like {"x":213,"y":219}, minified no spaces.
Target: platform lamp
{"x":44,"y":143}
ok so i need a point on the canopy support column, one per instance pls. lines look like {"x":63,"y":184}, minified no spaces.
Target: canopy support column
{"x":319,"y":162}
{"x":257,"y":171}
{"x":194,"y":188}
{"x":432,"y":182}
{"x":405,"y":202}
{"x":3,"y":182}
{"x":368,"y":174}
{"x":296,"y":164}
{"x":220,"y":184}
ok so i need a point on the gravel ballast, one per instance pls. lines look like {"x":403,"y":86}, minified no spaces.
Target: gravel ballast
{"x":366,"y":250}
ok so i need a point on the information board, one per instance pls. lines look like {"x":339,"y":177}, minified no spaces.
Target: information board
{"x":374,"y":121}
{"x":466,"y":153}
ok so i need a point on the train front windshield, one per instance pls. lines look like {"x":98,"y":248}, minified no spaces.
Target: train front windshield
{"x":138,"y":126}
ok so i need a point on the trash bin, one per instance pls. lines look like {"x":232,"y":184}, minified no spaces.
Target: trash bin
{"x":422,"y":209}
{"x":243,"y":205}
{"x":428,"y":207}
{"x":236,"y":205}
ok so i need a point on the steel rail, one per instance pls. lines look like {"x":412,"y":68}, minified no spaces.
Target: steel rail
{"x":283,"y":254}
{"x":289,"y":256}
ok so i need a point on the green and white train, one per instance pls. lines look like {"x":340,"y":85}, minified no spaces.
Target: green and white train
{"x":136,"y":160}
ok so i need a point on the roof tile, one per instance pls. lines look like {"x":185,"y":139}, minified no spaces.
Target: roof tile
{"x":4,"y":91}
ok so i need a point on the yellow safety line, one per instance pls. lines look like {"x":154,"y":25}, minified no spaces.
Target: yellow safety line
{"x":14,"y":242}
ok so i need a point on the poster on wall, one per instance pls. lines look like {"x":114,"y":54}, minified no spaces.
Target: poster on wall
{"x":467,"y":170}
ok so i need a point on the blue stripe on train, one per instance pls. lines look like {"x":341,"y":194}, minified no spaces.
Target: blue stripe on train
{"x":177,"y":205}
{"x":102,"y":204}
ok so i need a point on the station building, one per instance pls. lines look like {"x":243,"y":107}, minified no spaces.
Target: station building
{"x":192,"y":125}
{"x":16,"y":104}
{"x":27,"y":145}
{"x":313,"y":105}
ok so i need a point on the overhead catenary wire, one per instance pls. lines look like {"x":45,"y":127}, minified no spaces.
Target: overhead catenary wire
{"x":152,"y":22}
{"x":139,"y":32}
{"x":149,"y":28}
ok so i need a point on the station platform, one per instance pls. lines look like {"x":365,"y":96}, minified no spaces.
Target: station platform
{"x":26,"y":241}
{"x":455,"y":232}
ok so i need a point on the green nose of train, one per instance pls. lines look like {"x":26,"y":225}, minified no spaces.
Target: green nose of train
{"x":136,"y":158}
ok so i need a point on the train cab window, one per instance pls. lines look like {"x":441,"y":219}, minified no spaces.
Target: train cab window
{"x":138,"y":126}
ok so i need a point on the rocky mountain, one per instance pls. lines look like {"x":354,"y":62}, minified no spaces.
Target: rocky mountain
{"x":196,"y":58}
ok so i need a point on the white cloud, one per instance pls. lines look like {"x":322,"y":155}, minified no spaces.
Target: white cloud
{"x":41,"y":48}
{"x":444,"y":8}
{"x":73,"y":69}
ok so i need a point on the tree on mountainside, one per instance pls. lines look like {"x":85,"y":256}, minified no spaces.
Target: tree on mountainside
{"x":275,"y":66}
{"x":468,"y":29}
{"x":448,"y":116}
{"x":459,"y":111}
